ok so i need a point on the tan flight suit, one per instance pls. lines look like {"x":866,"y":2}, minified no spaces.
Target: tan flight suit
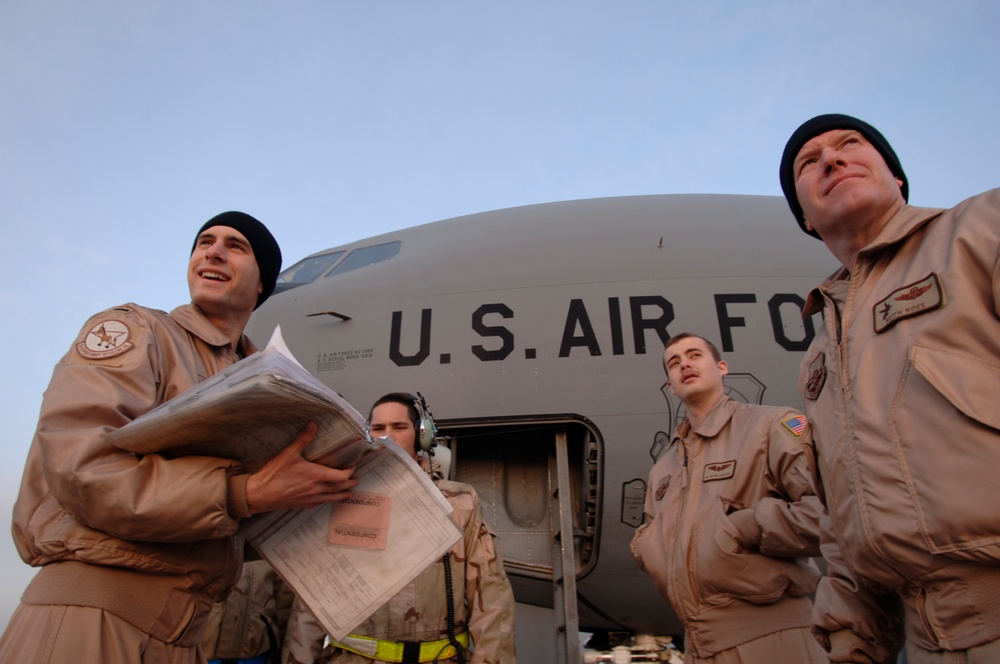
{"x":251,"y":621}
{"x":483,"y":599}
{"x":902,"y":386}
{"x":733,"y":519}
{"x":133,"y":550}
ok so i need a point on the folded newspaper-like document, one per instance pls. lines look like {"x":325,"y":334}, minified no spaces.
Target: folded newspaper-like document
{"x":342,"y":563}
{"x":249,"y":412}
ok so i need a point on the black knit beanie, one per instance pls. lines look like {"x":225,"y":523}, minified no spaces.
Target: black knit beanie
{"x":820,"y":125}
{"x":265,"y":248}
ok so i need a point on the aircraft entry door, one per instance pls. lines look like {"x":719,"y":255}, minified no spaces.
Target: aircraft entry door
{"x":537,"y":478}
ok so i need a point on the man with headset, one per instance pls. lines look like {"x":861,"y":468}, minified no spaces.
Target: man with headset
{"x":463,"y":598}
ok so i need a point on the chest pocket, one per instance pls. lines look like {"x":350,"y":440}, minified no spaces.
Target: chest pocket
{"x":945,"y":425}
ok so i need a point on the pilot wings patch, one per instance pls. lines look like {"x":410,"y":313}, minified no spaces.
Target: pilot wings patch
{"x":722,"y":470}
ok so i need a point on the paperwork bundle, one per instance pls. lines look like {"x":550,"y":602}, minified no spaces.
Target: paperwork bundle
{"x":253,"y":410}
{"x":250,"y":412}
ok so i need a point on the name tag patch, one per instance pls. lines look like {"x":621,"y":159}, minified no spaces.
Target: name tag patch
{"x":910,"y":300}
{"x":719,"y":471}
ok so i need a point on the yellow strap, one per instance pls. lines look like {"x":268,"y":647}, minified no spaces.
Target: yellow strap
{"x":392,"y":651}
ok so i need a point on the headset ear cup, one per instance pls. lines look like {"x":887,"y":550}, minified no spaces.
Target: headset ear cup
{"x":427,"y":433}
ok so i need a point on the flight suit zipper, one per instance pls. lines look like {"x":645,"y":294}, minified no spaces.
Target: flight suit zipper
{"x":674,"y":586}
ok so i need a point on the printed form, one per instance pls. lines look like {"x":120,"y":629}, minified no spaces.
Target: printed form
{"x":254,"y":409}
{"x":343,"y":584}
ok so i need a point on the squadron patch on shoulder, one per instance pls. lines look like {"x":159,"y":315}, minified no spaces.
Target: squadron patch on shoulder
{"x":910,"y":300}
{"x":108,"y":338}
{"x":796,"y":424}
{"x":719,"y":471}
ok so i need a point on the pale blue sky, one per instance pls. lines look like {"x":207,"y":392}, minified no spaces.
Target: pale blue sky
{"x":126,"y":124}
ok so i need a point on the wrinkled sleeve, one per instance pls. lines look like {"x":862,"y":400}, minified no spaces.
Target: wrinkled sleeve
{"x":304,"y":636}
{"x":786,"y":524}
{"x":488,"y":595}
{"x":634,"y":545}
{"x":851,"y":622}
{"x":126,"y":495}
{"x":993,"y":203}
{"x":996,"y":287}
{"x":638,"y":538}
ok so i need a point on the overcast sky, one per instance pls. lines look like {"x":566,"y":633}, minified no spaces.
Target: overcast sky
{"x":124,"y":125}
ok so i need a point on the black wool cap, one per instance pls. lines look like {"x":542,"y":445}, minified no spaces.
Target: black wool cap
{"x":820,"y":125}
{"x":265,"y":248}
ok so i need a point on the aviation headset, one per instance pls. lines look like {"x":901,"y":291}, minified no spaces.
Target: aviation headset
{"x":426,"y":430}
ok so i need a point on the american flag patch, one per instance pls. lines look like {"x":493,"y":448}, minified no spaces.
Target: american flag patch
{"x":796,"y":424}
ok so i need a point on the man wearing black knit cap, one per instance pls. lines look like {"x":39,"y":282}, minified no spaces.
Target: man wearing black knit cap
{"x":265,"y":248}
{"x":900,"y":385}
{"x":133,"y":549}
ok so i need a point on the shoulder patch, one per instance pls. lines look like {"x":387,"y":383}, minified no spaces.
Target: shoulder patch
{"x":109,"y":338}
{"x":796,"y":424}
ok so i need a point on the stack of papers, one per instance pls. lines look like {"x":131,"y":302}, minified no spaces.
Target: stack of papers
{"x":343,"y":559}
{"x":250,"y":412}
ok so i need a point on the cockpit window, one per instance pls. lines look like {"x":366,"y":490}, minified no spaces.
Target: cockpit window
{"x":308,"y":269}
{"x":312,"y":268}
{"x":366,"y":256}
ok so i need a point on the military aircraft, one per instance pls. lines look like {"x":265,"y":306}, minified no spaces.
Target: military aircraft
{"x":536,"y":335}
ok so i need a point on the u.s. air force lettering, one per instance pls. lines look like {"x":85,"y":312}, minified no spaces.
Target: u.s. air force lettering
{"x":637,"y":314}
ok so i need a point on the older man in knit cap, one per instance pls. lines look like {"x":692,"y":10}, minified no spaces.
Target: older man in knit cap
{"x":900,"y":385}
{"x":135,"y":549}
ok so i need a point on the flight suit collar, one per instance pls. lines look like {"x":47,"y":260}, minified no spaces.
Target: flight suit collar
{"x":194,"y":321}
{"x":717,"y":418}
{"x":907,"y":220}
